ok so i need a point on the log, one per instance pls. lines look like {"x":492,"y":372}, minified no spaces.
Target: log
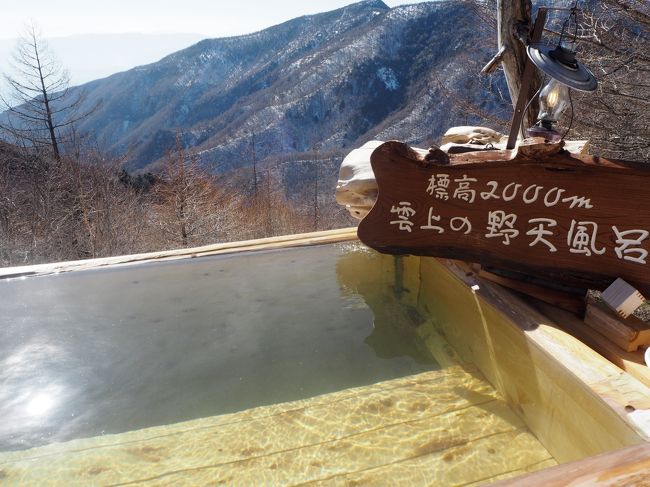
{"x":513,"y":21}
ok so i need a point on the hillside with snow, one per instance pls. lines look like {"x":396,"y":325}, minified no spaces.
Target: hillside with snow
{"x":316,"y":83}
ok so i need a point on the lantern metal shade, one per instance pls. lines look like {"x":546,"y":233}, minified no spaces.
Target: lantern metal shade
{"x":561,"y":64}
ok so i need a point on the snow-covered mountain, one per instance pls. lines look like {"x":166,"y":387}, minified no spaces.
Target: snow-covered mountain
{"x":318,"y":82}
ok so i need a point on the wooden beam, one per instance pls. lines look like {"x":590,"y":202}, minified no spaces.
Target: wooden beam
{"x":569,"y":302}
{"x":631,"y":362}
{"x":416,"y":423}
{"x":628,"y":333}
{"x":529,"y":79}
{"x":513,"y":16}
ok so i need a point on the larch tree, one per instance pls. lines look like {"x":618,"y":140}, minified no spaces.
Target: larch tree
{"x":40,"y":107}
{"x":190,"y":207}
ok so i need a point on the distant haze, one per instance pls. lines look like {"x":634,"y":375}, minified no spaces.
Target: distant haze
{"x":211,"y":18}
{"x":92,"y":56}
{"x":95,"y":41}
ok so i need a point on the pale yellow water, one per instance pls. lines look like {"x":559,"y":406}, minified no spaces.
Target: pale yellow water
{"x":431,"y":427}
{"x":446,"y":427}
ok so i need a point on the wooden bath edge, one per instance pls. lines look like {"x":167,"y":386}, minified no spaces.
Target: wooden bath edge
{"x":627,"y":466}
{"x":270,"y":243}
{"x":532,"y":337}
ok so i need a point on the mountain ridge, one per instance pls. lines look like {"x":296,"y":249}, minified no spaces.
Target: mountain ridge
{"x":317,"y":82}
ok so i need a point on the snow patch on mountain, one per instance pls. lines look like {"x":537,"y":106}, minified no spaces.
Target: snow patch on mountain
{"x":388,"y":77}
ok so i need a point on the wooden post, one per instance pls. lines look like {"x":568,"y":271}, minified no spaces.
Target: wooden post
{"x":513,"y":23}
{"x":529,"y":79}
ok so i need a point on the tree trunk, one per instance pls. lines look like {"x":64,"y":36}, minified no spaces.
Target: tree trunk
{"x":514,"y":26}
{"x":46,"y":101}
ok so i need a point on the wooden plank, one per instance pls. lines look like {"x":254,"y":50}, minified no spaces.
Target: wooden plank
{"x":540,"y":210}
{"x":459,"y":465}
{"x":509,"y":26}
{"x":271,"y":243}
{"x":628,"y":333}
{"x":302,"y":441}
{"x":424,"y":394}
{"x":387,"y":449}
{"x":514,"y":473}
{"x":564,"y":300}
{"x":520,"y":73}
{"x":572,"y":399}
{"x":629,"y":466}
{"x":631,"y":362}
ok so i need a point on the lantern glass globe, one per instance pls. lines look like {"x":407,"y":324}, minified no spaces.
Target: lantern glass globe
{"x":553,"y":100}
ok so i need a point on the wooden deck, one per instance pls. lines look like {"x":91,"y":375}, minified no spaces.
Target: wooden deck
{"x":446,"y":427}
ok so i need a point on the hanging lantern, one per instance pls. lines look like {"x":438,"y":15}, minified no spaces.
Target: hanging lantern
{"x":560,"y":64}
{"x":553,"y":100}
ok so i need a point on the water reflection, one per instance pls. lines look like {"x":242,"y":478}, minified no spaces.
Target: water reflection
{"x":115,"y":350}
{"x":40,"y":403}
{"x":394,"y":331}
{"x":33,"y":394}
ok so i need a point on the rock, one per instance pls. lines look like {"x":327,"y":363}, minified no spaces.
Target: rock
{"x":356,"y":188}
{"x":473,"y":135}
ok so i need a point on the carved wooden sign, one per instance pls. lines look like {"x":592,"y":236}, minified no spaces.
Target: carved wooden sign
{"x":581,"y":221}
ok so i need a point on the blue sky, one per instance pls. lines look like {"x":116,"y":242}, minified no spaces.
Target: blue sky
{"x":214,"y":18}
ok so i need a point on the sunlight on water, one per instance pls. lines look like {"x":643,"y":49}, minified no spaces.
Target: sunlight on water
{"x":108,"y":351}
{"x":321,"y":343}
{"x":445,"y":427}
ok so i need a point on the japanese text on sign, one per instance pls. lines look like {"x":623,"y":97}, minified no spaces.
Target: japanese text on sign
{"x":504,"y":227}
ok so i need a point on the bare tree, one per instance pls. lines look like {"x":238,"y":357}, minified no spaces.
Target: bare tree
{"x":615,"y":43}
{"x":40,"y":106}
{"x":316,"y":193}
{"x":189,"y":205}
